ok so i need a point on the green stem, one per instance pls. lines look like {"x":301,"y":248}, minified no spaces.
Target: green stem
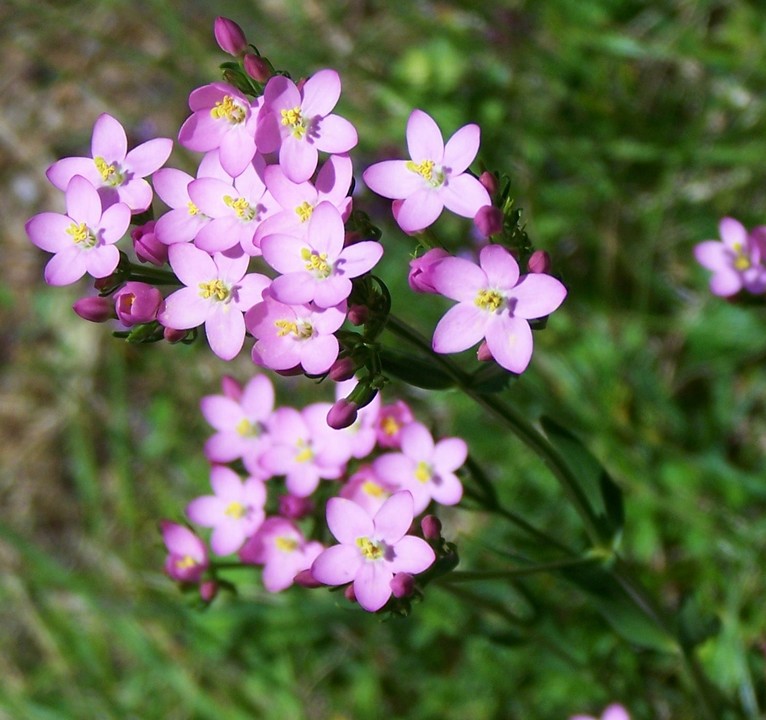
{"x":154,"y":276}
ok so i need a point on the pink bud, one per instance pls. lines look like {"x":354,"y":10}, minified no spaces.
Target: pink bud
{"x":489,"y":220}
{"x":349,"y":593}
{"x":402,"y":585}
{"x":483,"y":354}
{"x":342,"y":414}
{"x":305,"y":579}
{"x":295,"y":508}
{"x":421,"y":267}
{"x":431,"y":527}
{"x":174,"y":336}
{"x":489,"y":181}
{"x":342,"y":369}
{"x":229,"y":36}
{"x":231,"y":388}
{"x":208,"y":590}
{"x":137,"y":302}
{"x":290,"y":372}
{"x":258,"y":68}
{"x":146,"y":245}
{"x":94,"y":308}
{"x":539,"y":262}
{"x":358,"y":314}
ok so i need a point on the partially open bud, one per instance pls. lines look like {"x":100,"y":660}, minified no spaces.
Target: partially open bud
{"x":294,"y":507}
{"x":539,"y":262}
{"x":229,"y":36}
{"x":174,"y":336}
{"x":257,"y":68}
{"x":402,"y":585}
{"x":489,"y":220}
{"x":95,"y":309}
{"x":358,"y":314}
{"x":208,"y":590}
{"x":146,"y":245}
{"x":342,"y":369}
{"x":431,"y":527}
{"x":489,"y":181}
{"x":342,"y":414}
{"x":137,"y":302}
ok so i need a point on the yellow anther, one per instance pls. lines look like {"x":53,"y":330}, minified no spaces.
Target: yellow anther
{"x":235,"y":510}
{"x":227,"y":109}
{"x":316,"y":263}
{"x":423,"y":472}
{"x":304,"y":211}
{"x":369,"y":548}
{"x":82,"y":235}
{"x":389,"y":426}
{"x":373,"y":489}
{"x":293,"y":119}
{"x":245,"y":428}
{"x":186,"y":562}
{"x":110,"y":174}
{"x":214,"y":289}
{"x":741,"y":261}
{"x":305,"y":452}
{"x":286,"y":544}
{"x":426,"y":170}
{"x":240,"y":206}
{"x":193,"y":209}
{"x":490,"y":300}
{"x":301,"y":331}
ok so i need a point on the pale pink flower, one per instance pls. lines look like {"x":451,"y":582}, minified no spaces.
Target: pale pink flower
{"x":390,"y":421}
{"x":234,"y":512}
{"x":493,"y":303}
{"x":187,"y":555}
{"x":434,"y":178}
{"x":613,"y":712}
{"x":218,"y":293}
{"x":84,"y":239}
{"x":736,"y":260}
{"x":117,"y":173}
{"x":367,"y":490}
{"x":372,"y":549}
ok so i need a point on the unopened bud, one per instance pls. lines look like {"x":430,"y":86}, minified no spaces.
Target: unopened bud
{"x":229,"y":36}
{"x":421,"y":269}
{"x":208,"y":590}
{"x":258,"y":68}
{"x":342,"y":414}
{"x":539,"y":262}
{"x":489,"y":181}
{"x":342,"y":369}
{"x":146,"y":245}
{"x":358,"y":314}
{"x":489,"y":220}
{"x":137,"y":302}
{"x":294,"y":507}
{"x":290,"y":372}
{"x":431,"y":527}
{"x":402,"y":585}
{"x":349,"y":593}
{"x":95,"y":309}
{"x":174,"y":336}
{"x":231,"y":388}
{"x":483,"y":354}
{"x":305,"y":579}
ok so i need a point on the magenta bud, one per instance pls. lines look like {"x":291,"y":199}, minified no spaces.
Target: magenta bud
{"x":290,"y":372}
{"x":539,"y":262}
{"x":342,"y":369}
{"x":358,"y":314}
{"x":257,"y":68}
{"x":489,"y":181}
{"x":305,"y":579}
{"x":489,"y":220}
{"x":402,"y":585}
{"x":342,"y":414}
{"x":431,"y":527}
{"x":483,"y":354}
{"x":421,"y":268}
{"x":349,"y":593}
{"x":229,"y":36}
{"x":208,"y":590}
{"x":137,"y":302}
{"x":146,"y":245}
{"x":295,"y":508}
{"x":174,"y":336}
{"x":95,"y":309}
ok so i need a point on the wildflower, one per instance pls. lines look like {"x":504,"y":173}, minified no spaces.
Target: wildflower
{"x":493,"y":303}
{"x":372,"y":549}
{"x":434,"y":177}
{"x":229,"y":36}
{"x":187,"y":555}
{"x":613,"y":712}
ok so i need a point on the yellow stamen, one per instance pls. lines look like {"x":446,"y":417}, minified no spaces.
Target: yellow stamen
{"x":193,"y":209}
{"x":293,"y":119}
{"x":389,"y":426}
{"x":426,"y":170}
{"x":82,"y":235}
{"x":185,"y":562}
{"x":741,"y":261}
{"x":423,"y":472}
{"x":304,"y":211}
{"x":369,"y":548}
{"x":286,"y":327}
{"x":305,"y":452}
{"x":236,"y":510}
{"x":241,"y":207}
{"x":286,"y":544}
{"x":247,"y":429}
{"x":316,"y":263}
{"x":490,"y":300}
{"x":373,"y":489}
{"x":214,"y":289}
{"x":110,"y":174}
{"x":227,"y":109}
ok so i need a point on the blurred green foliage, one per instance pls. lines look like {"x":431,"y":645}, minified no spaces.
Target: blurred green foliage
{"x":628,"y":129}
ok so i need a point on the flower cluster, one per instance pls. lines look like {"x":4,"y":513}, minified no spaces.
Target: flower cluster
{"x":379,"y":473}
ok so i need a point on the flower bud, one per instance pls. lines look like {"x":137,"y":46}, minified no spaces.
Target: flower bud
{"x":231,"y":388}
{"x":431,"y":527}
{"x":137,"y":302}
{"x":420,"y":270}
{"x":95,"y":309}
{"x":489,"y":220}
{"x":342,"y":369}
{"x":305,"y":579}
{"x":402,"y":584}
{"x":258,"y":68}
{"x":358,"y":314}
{"x":349,"y":593}
{"x":229,"y":36}
{"x":295,"y":508}
{"x":489,"y":181}
{"x":290,"y":372}
{"x":483,"y":354}
{"x":539,"y":262}
{"x":342,"y":414}
{"x":146,"y":245}
{"x":208,"y":590}
{"x":174,"y":336}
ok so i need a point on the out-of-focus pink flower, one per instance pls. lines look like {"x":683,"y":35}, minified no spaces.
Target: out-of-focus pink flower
{"x":187,"y":555}
{"x":390,"y":421}
{"x":613,"y":712}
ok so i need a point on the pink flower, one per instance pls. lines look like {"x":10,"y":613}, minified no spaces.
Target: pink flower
{"x":391,"y":419}
{"x":218,"y":292}
{"x":115,"y":172}
{"x":234,"y":512}
{"x":736,"y":260}
{"x":282,"y":550}
{"x":146,"y":245}
{"x":421,"y":268}
{"x":613,"y":712}
{"x":137,"y":302}
{"x":229,"y":36}
{"x":187,"y":555}
{"x":318,"y":268}
{"x":372,"y":549}
{"x":367,"y":490}
{"x":434,"y":178}
{"x":298,"y":123}
{"x":425,"y":468}
{"x":493,"y":303}
{"x":83,"y":239}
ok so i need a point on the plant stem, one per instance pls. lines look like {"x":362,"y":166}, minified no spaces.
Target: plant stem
{"x":154,"y":276}
{"x":461,"y":576}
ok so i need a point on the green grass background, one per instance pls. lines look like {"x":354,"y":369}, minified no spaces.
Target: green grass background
{"x":628,"y":129}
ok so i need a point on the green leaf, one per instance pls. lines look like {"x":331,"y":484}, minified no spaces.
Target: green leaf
{"x":694,"y":624}
{"x":414,"y":370}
